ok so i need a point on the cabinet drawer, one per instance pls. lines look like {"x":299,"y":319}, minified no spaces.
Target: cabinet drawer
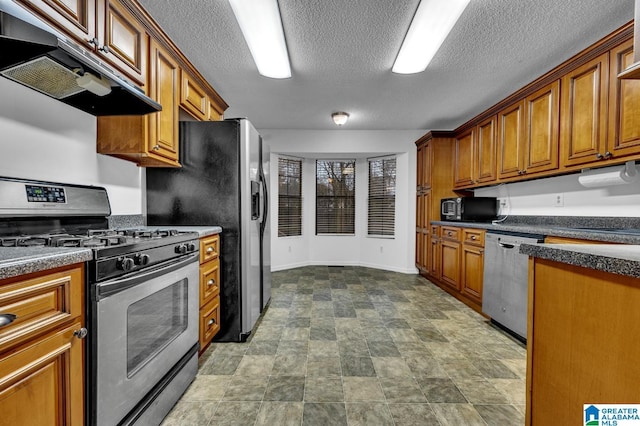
{"x":40,"y":304}
{"x":193,"y":98}
{"x":209,"y":248}
{"x":451,"y":233}
{"x":473,"y":236}
{"x":209,"y":280}
{"x":435,"y":231}
{"x":209,"y":321}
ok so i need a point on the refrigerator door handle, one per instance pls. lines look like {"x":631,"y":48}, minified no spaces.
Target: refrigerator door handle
{"x":255,"y":200}
{"x":265,"y":202}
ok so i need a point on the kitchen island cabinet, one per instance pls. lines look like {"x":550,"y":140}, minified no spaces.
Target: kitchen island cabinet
{"x":583,"y":340}
{"x":41,"y":351}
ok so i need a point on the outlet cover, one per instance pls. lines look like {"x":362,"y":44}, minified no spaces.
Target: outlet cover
{"x":559,"y":200}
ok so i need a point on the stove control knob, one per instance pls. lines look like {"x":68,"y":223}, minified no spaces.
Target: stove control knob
{"x":141,"y":259}
{"x":125,"y":263}
{"x":191,"y":247}
{"x":181,"y":248}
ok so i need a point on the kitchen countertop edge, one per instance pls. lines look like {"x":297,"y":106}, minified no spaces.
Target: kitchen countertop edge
{"x":16,"y":261}
{"x":612,"y":258}
{"x":203,"y":231}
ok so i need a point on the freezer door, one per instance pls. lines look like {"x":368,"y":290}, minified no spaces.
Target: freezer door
{"x":265,"y":227}
{"x":251,"y":287}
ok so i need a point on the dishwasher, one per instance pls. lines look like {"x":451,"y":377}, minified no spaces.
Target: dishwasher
{"x":505,"y":281}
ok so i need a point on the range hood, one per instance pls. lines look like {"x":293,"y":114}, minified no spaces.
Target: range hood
{"x":37,"y":56}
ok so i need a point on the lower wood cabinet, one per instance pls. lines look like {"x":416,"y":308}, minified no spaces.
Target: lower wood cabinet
{"x":41,"y":355}
{"x":209,"y":289}
{"x":456,"y":262}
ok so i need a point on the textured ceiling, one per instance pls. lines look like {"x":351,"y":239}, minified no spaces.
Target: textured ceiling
{"x":341,"y":53}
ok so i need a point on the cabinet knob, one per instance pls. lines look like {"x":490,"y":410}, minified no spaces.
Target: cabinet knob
{"x":93,"y":41}
{"x":81,"y":333}
{"x":473,"y":237}
{"x":599,"y":156}
{"x":6,"y":319}
{"x":211,"y":322}
{"x":211,"y":282}
{"x":104,"y":48}
{"x":608,"y":155}
{"x":210,"y":250}
{"x":156,"y":147}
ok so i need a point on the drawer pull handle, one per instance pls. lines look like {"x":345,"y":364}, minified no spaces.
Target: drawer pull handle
{"x":211,"y":282}
{"x":449,"y":233}
{"x":473,"y":237}
{"x":6,"y":319}
{"x":81,"y":333}
{"x":156,"y":147}
{"x":211,"y":322}
{"x":210,"y":250}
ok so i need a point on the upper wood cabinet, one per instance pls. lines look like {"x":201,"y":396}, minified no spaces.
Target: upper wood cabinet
{"x":476,"y":155}
{"x":193,"y":98}
{"x":424,"y":164}
{"x":583,"y":135}
{"x":105,"y":27}
{"x":624,"y":106}
{"x":150,"y":140}
{"x":528,"y":134}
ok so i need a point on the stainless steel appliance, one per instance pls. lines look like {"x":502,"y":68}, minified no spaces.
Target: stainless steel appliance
{"x":505,"y":280}
{"x":223,"y":181}
{"x":142,"y":297}
{"x":41,"y":58}
{"x":469,"y":209}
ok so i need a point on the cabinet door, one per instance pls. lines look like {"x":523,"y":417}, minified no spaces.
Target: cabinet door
{"x":77,"y":18}
{"x":624,"y":105}
{"x":472,"y":272}
{"x":427,"y":163}
{"x":584,"y":112}
{"x":486,"y":151}
{"x":542,"y":112}
{"x":164,"y":85}
{"x":463,"y":174}
{"x":511,"y":141}
{"x":434,"y":260}
{"x":419,"y":166}
{"x":450,"y":261}
{"x":42,"y":384}
{"x":193,"y":98}
{"x":122,"y":40}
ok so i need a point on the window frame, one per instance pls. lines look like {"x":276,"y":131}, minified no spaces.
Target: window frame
{"x":290,"y":223}
{"x":348,"y":199}
{"x":382,"y":215}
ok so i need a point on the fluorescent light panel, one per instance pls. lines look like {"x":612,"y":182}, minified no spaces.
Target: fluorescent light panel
{"x":261,"y":26}
{"x":430,"y":26}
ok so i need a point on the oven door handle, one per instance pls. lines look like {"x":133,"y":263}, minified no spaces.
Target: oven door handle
{"x":109,"y":288}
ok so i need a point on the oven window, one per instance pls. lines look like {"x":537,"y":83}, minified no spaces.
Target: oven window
{"x":153,"y":322}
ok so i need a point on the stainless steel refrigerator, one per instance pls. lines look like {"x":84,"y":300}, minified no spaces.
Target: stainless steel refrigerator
{"x":223,"y":181}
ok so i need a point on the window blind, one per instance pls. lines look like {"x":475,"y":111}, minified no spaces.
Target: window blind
{"x":335,"y":196}
{"x":382,"y":196}
{"x":289,"y":197}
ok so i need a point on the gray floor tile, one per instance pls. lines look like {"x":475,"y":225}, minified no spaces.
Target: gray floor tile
{"x":457,"y":414}
{"x":403,"y":389}
{"x":246,"y":389}
{"x":383,"y":348}
{"x":324,"y":414}
{"x":285,"y":388}
{"x":362,"y":389}
{"x":236,"y":413}
{"x":324,"y":367}
{"x":413,"y":415}
{"x":323,"y":389}
{"x":353,"y":347}
{"x":280,"y":413}
{"x":357,"y":366}
{"x":500,"y":415}
{"x":222,"y":365}
{"x":441,"y":390}
{"x":368,"y":414}
{"x":391,"y":367}
{"x":289,"y":365}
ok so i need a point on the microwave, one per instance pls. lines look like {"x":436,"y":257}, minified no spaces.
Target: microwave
{"x":469,"y":209}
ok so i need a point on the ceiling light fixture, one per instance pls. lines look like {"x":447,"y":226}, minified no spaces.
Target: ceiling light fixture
{"x":261,"y":26}
{"x":430,"y":26}
{"x":340,"y":117}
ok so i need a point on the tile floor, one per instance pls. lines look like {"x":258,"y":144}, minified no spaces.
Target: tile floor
{"x":358,"y":346}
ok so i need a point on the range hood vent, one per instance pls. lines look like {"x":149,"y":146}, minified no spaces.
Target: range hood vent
{"x":35,"y":55}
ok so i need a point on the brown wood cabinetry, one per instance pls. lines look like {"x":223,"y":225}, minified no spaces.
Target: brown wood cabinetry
{"x":511,"y":140}
{"x":105,"y":27}
{"x":41,"y":358}
{"x":433,"y":183}
{"x":624,"y":107}
{"x":476,"y":155}
{"x":150,"y":140}
{"x":583,"y":136}
{"x":450,"y":256}
{"x":433,"y":261}
{"x":582,"y":342}
{"x":209,"y":289}
{"x":193,"y":98}
{"x":472,"y":266}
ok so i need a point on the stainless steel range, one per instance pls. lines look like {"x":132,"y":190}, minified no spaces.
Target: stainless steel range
{"x":142,"y":297}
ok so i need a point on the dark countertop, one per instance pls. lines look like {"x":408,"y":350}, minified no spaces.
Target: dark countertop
{"x":203,"y":231}
{"x":614,"y":258}
{"x":15,"y":261}
{"x":622,"y":258}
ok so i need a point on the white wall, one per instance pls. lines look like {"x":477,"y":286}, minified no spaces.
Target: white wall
{"x":44,"y":139}
{"x":395,"y":254}
{"x":539,"y":198}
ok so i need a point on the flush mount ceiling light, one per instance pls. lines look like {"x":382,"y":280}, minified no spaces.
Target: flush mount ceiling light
{"x":340,"y":117}
{"x":431,"y":24}
{"x":261,"y":26}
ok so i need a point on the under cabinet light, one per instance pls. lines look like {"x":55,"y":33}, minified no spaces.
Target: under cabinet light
{"x":431,"y":24}
{"x":261,"y":26}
